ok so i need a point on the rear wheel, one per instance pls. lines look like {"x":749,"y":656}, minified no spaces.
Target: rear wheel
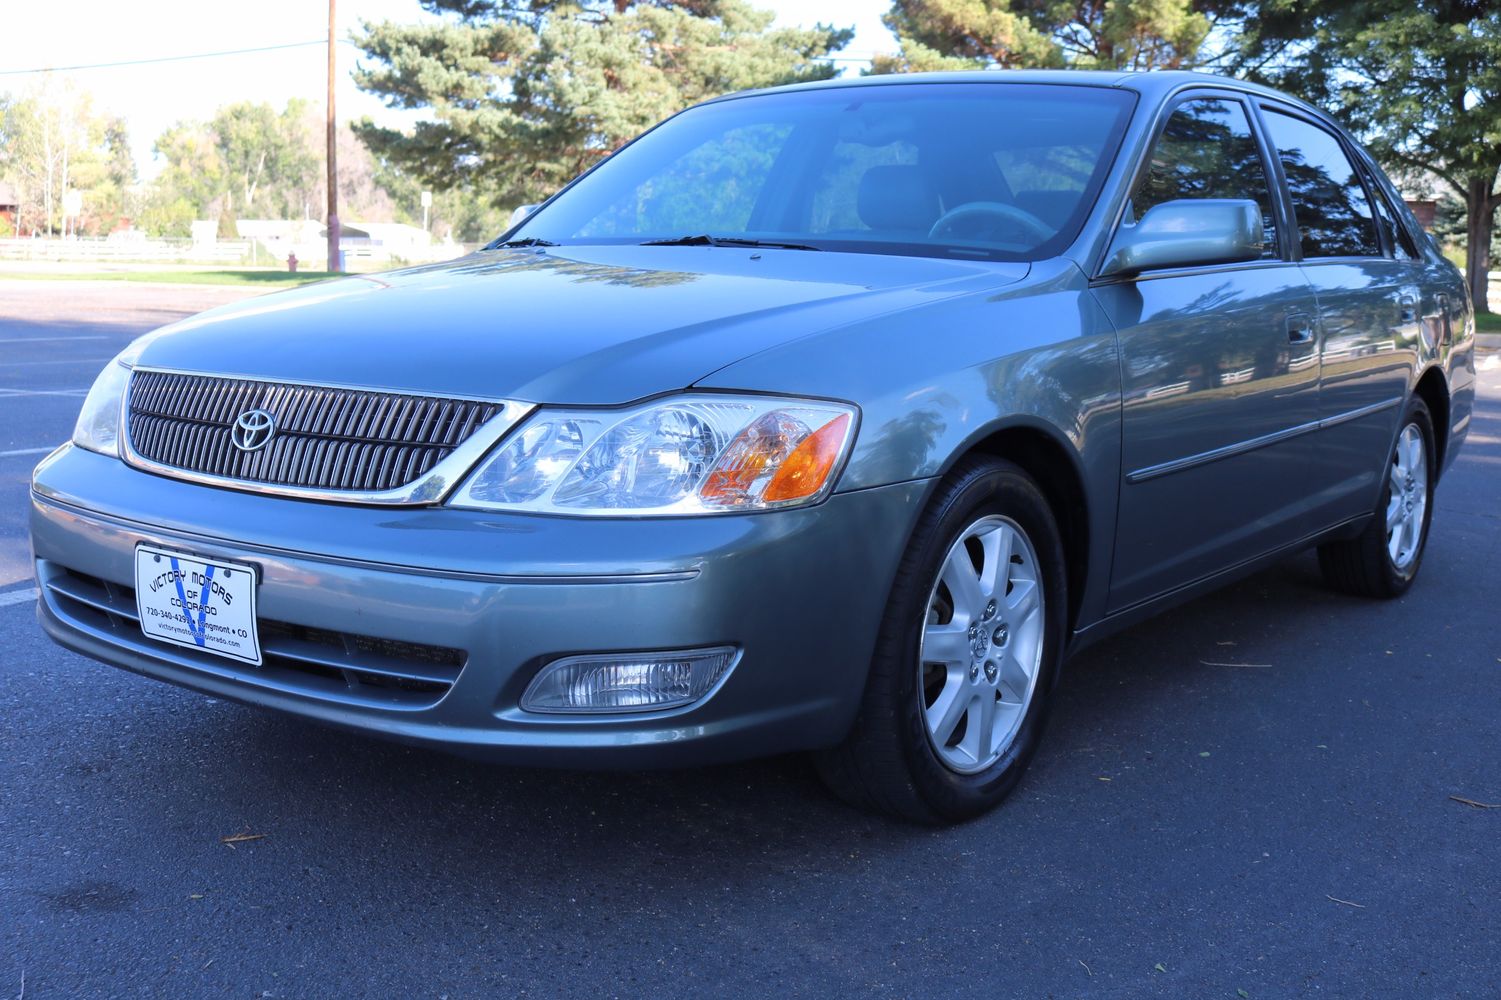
{"x":967,"y":657}
{"x":1384,"y":559}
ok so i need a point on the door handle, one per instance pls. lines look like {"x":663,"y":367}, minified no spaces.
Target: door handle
{"x":1299,"y":329}
{"x":1409,"y":306}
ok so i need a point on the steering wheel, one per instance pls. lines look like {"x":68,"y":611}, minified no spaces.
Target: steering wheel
{"x":979,"y":219}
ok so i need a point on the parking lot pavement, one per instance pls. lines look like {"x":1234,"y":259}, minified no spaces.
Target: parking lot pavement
{"x":1254,"y":795}
{"x":55,"y":336}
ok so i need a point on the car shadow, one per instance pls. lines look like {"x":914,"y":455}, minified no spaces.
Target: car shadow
{"x":335,"y":793}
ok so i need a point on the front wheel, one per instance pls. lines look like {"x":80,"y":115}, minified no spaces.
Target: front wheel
{"x":1384,"y":559}
{"x":967,"y":656}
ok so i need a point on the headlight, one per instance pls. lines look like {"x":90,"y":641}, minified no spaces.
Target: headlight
{"x":685,"y":455}
{"x":98,"y":427}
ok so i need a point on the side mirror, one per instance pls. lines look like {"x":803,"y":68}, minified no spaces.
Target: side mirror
{"x":519,"y":214}
{"x":1187,"y":232}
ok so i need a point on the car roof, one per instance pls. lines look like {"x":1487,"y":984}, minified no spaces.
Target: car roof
{"x":1152,"y":85}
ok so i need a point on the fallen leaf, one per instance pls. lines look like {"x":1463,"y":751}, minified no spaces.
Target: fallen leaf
{"x":1243,"y":995}
{"x":1345,"y":902}
{"x":1203,"y":753}
{"x":1477,"y":805}
{"x":240,"y":838}
{"x":1159,"y":967}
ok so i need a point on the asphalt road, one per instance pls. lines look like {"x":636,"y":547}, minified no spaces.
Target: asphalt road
{"x":1248,"y":797}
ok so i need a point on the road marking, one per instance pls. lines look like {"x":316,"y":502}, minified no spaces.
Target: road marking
{"x":25,"y":451}
{"x":44,"y":340}
{"x":4,"y":393}
{"x":18,"y":597}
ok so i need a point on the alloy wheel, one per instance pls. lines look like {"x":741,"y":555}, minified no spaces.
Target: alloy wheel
{"x":982,"y":643}
{"x":1407,"y":505}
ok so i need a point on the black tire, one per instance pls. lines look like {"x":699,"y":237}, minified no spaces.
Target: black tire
{"x":1363,"y":565}
{"x":888,"y":762}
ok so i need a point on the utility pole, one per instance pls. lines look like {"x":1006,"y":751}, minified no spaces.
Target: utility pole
{"x":333,"y":162}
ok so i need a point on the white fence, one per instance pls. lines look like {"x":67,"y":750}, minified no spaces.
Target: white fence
{"x":162,"y":251}
{"x":359,"y":254}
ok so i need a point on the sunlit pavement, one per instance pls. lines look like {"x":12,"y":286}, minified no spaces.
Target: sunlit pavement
{"x":1257,"y":792}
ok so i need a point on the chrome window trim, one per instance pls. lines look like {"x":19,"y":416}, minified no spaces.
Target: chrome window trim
{"x":431,"y":488}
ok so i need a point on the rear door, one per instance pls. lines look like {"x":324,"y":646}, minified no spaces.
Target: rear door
{"x":1365,"y":276}
{"x":1219,"y":371}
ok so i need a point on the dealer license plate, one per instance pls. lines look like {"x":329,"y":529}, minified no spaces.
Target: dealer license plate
{"x":187,"y":601}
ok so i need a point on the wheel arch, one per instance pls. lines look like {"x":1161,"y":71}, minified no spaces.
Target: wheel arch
{"x":1433,"y":389}
{"x":1043,"y":452}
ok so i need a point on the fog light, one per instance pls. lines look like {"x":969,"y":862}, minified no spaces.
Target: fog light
{"x":628,"y":682}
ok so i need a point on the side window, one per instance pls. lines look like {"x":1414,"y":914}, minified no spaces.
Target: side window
{"x":1206,"y":150}
{"x":1394,"y":232}
{"x":1334,"y":215}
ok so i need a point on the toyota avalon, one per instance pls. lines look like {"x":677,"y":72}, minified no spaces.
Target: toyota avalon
{"x":828,"y":418}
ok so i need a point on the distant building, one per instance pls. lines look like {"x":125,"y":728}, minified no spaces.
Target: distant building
{"x":384,"y":239}
{"x":1424,"y":209}
{"x":365,"y":245}
{"x":10,"y":206}
{"x":280,"y":232}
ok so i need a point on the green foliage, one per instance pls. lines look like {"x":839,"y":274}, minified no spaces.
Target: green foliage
{"x":248,"y":161}
{"x":1030,"y":34}
{"x":1419,"y":80}
{"x":51,"y":141}
{"x":192,"y":179}
{"x":265,"y":157}
{"x":525,"y":97}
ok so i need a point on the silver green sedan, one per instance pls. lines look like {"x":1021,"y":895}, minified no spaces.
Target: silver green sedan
{"x":826,"y":418}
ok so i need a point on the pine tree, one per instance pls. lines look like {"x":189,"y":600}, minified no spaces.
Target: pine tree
{"x":524,"y":96}
{"x":1029,"y":34}
{"x":1419,"y":80}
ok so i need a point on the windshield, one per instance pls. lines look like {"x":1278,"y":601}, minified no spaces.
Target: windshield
{"x":1002,"y":171}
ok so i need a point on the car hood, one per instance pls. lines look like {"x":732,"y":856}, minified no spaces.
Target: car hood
{"x":566,"y":325}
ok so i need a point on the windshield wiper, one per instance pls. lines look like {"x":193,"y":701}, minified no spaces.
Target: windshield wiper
{"x":530,"y":241}
{"x":705,"y":240}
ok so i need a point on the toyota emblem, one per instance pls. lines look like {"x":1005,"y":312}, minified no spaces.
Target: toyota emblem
{"x":253,"y":430}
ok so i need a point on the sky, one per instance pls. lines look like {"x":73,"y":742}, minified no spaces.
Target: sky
{"x":152,"y":97}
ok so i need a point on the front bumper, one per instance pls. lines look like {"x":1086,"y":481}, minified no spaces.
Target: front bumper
{"x":799,"y":592}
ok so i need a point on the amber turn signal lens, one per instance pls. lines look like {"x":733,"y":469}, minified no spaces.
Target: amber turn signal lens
{"x":808,"y":467}
{"x":745,"y":461}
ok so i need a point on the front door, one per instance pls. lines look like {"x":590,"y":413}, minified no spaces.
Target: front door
{"x":1220,"y":375}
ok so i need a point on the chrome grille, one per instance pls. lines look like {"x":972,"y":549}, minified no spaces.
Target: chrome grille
{"x":326,"y":438}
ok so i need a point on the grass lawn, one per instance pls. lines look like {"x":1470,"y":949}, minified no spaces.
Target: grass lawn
{"x":256,"y":279}
{"x":1488,"y":322}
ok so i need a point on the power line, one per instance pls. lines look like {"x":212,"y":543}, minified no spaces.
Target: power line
{"x":164,"y":59}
